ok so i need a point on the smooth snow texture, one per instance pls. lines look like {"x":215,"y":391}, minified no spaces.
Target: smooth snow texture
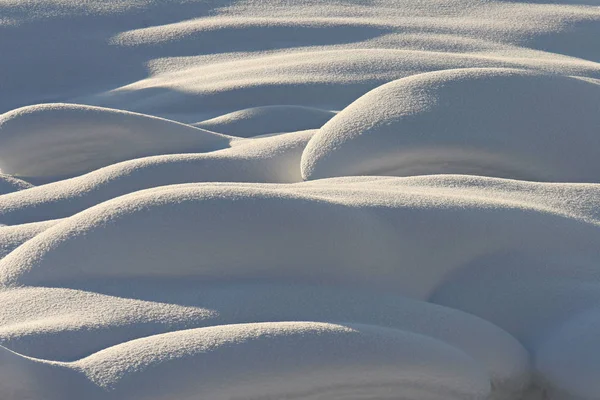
{"x":381,"y":220}
{"x":495,"y":122}
{"x":260,"y":361}
{"x":9,"y":184}
{"x":32,"y":329}
{"x":66,"y":139}
{"x":570,"y":346}
{"x":265,"y":120}
{"x":13,"y":236}
{"x":270,"y":159}
{"x":299,"y":199}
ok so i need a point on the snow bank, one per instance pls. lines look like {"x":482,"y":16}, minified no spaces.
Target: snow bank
{"x":214,"y":237}
{"x":219,"y":231}
{"x":259,"y":361}
{"x":31,"y":329}
{"x":272,"y":159}
{"x":186,"y":88}
{"x":61,"y":140}
{"x":494,"y":122}
{"x":265,"y":120}
{"x":12,"y":237}
{"x":144,"y":256}
{"x":9,"y":184}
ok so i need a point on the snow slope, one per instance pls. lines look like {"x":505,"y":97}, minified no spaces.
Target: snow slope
{"x":495,"y":122}
{"x":65,"y":140}
{"x":254,"y":200}
{"x":267,"y":120}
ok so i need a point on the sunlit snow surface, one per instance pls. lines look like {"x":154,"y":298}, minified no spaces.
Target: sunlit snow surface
{"x":303,"y":199}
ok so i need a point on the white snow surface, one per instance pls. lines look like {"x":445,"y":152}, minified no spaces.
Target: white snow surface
{"x":307,"y":199}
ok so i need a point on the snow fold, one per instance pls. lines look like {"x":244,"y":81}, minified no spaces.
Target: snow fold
{"x":242,"y":200}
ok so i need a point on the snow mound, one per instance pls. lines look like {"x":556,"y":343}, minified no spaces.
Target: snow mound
{"x":305,"y":53}
{"x":186,"y":88}
{"x":181,"y":216}
{"x":31,"y":329}
{"x":265,"y":120}
{"x":271,"y":159}
{"x":258,"y":361}
{"x":9,"y":184}
{"x":203,"y":217}
{"x":220,"y":238}
{"x":494,"y":122}
{"x":557,"y":317}
{"x":58,"y":140}
{"x":12,"y":237}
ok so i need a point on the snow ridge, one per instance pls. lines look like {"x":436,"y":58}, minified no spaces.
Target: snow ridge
{"x":258,"y":200}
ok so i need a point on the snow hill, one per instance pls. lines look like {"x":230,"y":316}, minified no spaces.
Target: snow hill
{"x":299,"y":199}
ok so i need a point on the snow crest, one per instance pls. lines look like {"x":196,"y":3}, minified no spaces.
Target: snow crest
{"x":258,"y":200}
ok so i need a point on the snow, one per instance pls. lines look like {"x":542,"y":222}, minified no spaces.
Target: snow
{"x":267,"y":120}
{"x":255,"y":360}
{"x":495,"y":122}
{"x":9,"y":184}
{"x":571,"y":345}
{"x":66,"y":139}
{"x":254,"y":200}
{"x":337,"y":360}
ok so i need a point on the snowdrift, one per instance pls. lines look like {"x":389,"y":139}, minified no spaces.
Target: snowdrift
{"x":241,"y":200}
{"x":63,"y":140}
{"x":494,"y":122}
{"x":267,"y":120}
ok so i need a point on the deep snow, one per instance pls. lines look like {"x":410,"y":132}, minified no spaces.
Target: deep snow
{"x":303,"y":199}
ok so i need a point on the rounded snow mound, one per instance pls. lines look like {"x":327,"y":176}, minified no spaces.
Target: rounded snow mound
{"x":223,"y":233}
{"x":220,"y":231}
{"x":484,"y":121}
{"x":37,"y":320}
{"x":12,"y":237}
{"x":62,"y":140}
{"x":9,"y":184}
{"x":259,"y":361}
{"x":268,"y":119}
{"x":272,"y":159}
{"x":287,"y":360}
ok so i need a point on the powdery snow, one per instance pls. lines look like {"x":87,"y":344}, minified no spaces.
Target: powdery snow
{"x":496,"y":122}
{"x":255,"y":200}
{"x":268,"y":120}
{"x":66,"y":139}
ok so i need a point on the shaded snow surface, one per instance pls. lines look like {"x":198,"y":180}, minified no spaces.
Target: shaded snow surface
{"x":260,"y":200}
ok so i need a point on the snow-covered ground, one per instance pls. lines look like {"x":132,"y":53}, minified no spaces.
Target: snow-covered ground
{"x":299,"y":199}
